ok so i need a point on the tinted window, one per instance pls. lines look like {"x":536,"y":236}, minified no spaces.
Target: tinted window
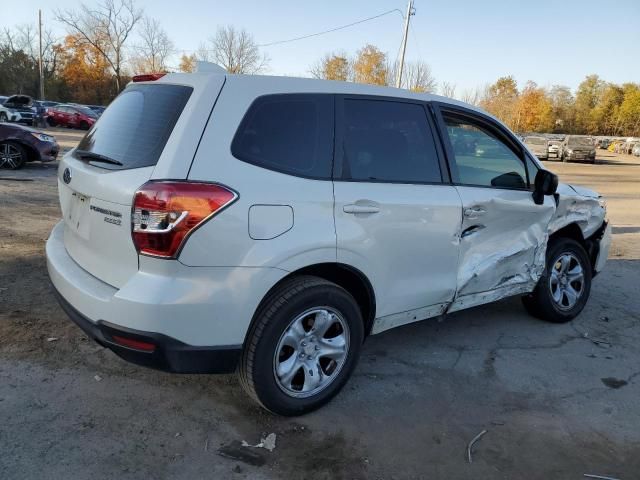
{"x":288,"y":133}
{"x":388,"y":141}
{"x":481,"y":157}
{"x":136,"y":126}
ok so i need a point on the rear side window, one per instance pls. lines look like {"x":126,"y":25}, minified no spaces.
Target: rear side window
{"x":290,"y":133}
{"x":135,"y":128}
{"x":388,"y":141}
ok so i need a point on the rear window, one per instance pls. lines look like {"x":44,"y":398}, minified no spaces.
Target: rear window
{"x":291,"y":133}
{"x":136,"y":126}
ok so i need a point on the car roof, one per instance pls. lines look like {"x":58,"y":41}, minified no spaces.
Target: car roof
{"x":276,"y":84}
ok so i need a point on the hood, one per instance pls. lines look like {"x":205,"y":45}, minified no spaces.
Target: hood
{"x":585,"y":192}
{"x":17,"y":126}
{"x":20,"y":100}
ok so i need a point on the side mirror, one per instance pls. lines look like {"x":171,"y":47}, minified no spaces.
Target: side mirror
{"x":546,"y":183}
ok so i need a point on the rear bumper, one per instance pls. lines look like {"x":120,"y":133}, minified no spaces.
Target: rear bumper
{"x":197,"y":317}
{"x":169,"y":354}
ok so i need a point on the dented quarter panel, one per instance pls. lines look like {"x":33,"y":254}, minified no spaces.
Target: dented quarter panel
{"x":506,"y":254}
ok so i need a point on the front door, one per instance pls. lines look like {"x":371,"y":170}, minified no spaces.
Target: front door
{"x":504,"y":233}
{"x":396,"y":219}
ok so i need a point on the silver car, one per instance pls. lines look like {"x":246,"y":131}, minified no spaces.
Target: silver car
{"x":539,"y":146}
{"x":577,"y":147}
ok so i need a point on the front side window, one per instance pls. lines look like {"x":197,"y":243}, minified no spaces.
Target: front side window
{"x":388,"y":141}
{"x":289,"y":133}
{"x":481,"y":157}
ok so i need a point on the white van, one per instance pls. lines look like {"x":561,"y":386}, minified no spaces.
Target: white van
{"x":215,"y":223}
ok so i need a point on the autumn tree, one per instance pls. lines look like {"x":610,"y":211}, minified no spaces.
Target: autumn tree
{"x":187,"y":63}
{"x":155,"y":48}
{"x":533,"y":110}
{"x":334,"y":66}
{"x":629,"y":111}
{"x":562,"y":108}
{"x":501,"y":100}
{"x":105,"y":27}
{"x":235,"y":50}
{"x":587,"y":97}
{"x":85,"y":72}
{"x":370,"y":66}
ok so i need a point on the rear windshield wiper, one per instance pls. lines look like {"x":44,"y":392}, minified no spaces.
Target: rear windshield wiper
{"x":96,"y":157}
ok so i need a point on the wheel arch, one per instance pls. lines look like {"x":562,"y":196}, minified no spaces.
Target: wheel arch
{"x":591,"y":244}
{"x":350,"y":278}
{"x":32,"y":153}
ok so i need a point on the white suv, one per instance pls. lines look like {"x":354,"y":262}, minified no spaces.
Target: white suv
{"x":215,"y":223}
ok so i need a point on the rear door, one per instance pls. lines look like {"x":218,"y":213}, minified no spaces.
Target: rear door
{"x":397,"y":218}
{"x":151,"y":130}
{"x":504,"y":233}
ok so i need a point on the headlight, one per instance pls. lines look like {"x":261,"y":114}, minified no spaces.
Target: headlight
{"x":43,"y":138}
{"x":569,"y":151}
{"x":603,"y":203}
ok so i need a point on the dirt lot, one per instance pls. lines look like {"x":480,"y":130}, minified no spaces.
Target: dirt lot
{"x":558,"y":401}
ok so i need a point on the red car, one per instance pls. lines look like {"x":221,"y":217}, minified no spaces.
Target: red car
{"x":75,"y":116}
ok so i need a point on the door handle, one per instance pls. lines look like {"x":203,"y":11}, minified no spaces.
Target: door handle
{"x":354,"y":208}
{"x":475,"y":211}
{"x":471,"y":230}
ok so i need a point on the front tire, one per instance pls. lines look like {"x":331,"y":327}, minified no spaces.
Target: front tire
{"x":3,"y":117}
{"x":563,"y":290}
{"x":303,"y":346}
{"x":12,"y":155}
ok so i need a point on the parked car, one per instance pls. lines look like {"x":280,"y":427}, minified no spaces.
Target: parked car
{"x":539,"y":146}
{"x":628,"y":147}
{"x":98,"y":109}
{"x":577,"y":147}
{"x":636,"y":150}
{"x":22,"y":104}
{"x":8,"y":114}
{"x":74,"y":116}
{"x":555,"y":147}
{"x":602,"y":143}
{"x":20,"y":144}
{"x":271,"y":225}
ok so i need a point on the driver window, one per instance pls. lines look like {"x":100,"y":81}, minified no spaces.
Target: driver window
{"x":481,"y":158}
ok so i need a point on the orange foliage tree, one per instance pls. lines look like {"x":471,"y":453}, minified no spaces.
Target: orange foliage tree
{"x":85,"y":72}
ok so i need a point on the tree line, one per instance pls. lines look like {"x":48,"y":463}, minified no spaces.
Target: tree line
{"x":106,"y":43}
{"x":596,"y":108}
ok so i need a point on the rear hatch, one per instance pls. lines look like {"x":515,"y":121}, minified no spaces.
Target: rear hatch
{"x":150,"y":131}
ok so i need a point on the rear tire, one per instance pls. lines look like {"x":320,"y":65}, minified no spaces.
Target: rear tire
{"x":12,"y":155}
{"x":84,"y":125}
{"x":563,"y":289}
{"x":3,"y":117}
{"x":303,"y":346}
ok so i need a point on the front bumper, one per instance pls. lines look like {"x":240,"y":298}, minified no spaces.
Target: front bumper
{"x":48,"y":151}
{"x":580,"y":156}
{"x":604,"y":245}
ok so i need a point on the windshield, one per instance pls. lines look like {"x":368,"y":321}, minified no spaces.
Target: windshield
{"x":535,"y":141}
{"x":582,"y":141}
{"x":135,"y":128}
{"x":86,"y":111}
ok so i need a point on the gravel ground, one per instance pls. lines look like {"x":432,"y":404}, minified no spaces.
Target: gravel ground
{"x":558,"y":401}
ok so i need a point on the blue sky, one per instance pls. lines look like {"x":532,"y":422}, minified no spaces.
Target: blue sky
{"x":468,"y":43}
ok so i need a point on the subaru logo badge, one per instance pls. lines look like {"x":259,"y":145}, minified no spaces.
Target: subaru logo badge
{"x":66,"y":176}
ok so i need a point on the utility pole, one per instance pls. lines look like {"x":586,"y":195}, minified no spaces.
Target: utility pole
{"x":40,"y":54}
{"x":410,"y":11}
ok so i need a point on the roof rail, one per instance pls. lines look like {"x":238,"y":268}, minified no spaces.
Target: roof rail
{"x":208,"y":67}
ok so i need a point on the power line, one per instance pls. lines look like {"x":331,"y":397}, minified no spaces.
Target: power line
{"x":303,"y":37}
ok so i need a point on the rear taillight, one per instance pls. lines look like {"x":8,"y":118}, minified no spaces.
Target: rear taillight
{"x":165,"y":213}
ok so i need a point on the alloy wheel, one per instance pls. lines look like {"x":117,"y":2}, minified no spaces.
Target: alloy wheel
{"x":311,"y":352}
{"x":10,"y":156}
{"x":566,"y":281}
